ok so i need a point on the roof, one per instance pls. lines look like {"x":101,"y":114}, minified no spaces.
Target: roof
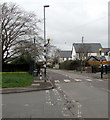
{"x":65,"y":54}
{"x":95,"y":58}
{"x":87,"y":47}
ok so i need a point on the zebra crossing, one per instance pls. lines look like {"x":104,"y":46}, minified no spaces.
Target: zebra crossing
{"x":76,"y":80}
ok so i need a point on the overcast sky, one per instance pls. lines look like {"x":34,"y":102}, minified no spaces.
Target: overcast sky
{"x":68,"y":20}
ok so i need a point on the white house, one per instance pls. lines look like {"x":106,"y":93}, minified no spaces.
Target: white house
{"x":106,"y":53}
{"x":65,"y":55}
{"x":90,"y":49}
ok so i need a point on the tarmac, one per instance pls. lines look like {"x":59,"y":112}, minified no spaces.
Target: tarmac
{"x":37,"y":85}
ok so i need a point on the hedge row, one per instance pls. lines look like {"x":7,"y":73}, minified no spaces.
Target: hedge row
{"x":70,"y":65}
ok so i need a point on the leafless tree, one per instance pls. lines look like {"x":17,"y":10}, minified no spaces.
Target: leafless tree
{"x":17,"y":27}
{"x":29,"y":49}
{"x":83,"y":54}
{"x":55,"y":55}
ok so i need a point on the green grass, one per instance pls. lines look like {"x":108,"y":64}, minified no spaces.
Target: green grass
{"x":10,"y":80}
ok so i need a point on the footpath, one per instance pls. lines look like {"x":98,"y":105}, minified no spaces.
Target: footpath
{"x":37,"y":85}
{"x":93,"y":75}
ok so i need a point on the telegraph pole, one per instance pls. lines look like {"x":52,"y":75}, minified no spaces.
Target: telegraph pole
{"x":82,"y":55}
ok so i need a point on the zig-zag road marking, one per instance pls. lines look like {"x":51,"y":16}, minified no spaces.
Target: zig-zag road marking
{"x":78,"y":80}
{"x":89,"y":80}
{"x":65,"y":80}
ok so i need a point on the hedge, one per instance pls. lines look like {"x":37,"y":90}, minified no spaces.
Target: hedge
{"x":70,"y":65}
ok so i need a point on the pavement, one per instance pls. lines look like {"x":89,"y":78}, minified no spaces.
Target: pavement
{"x":37,"y":85}
{"x":94,"y":75}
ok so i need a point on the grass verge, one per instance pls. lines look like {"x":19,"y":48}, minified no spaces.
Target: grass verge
{"x":10,"y":80}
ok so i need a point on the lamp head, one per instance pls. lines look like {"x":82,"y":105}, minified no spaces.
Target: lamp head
{"x":48,"y":39}
{"x":100,"y":50}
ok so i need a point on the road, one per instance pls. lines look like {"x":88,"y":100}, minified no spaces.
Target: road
{"x":74,"y":96}
{"x":91,"y":94}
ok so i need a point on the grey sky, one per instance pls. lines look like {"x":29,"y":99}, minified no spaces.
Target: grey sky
{"x":68,"y":20}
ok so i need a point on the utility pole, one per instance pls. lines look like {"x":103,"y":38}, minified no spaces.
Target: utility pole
{"x":82,"y":39}
{"x":82,"y":55}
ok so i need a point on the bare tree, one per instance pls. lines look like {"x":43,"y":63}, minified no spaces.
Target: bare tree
{"x":55,"y":55}
{"x":28,"y":49}
{"x":83,"y":54}
{"x":16,"y":27}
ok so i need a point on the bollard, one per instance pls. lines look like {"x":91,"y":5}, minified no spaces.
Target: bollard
{"x":102,"y":71}
{"x":106,"y":69}
{"x":40,"y":76}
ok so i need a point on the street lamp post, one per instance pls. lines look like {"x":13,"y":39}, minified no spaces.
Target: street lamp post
{"x":100,"y":50}
{"x":45,"y":44}
{"x":45,"y":51}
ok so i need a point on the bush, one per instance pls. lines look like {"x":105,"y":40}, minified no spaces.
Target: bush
{"x":70,"y":65}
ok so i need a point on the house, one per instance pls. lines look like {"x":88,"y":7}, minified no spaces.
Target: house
{"x":95,"y":58}
{"x":65,"y":55}
{"x":106,"y":53}
{"x":109,"y":56}
{"x":85,"y":50}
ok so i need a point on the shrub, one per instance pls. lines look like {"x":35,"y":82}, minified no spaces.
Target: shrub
{"x":70,"y":64}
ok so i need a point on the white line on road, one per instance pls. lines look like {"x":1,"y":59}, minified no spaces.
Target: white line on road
{"x":57,"y":81}
{"x":106,"y":90}
{"x":67,"y":80}
{"x":36,"y":84}
{"x":78,"y":80}
{"x":79,"y":113}
{"x":89,"y":80}
{"x":64,"y":112}
{"x":47,"y":91}
{"x":26,"y":105}
{"x":99,"y":80}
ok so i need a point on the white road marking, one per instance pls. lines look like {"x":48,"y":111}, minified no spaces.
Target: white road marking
{"x":64,"y":112}
{"x":57,"y":81}
{"x":48,"y":99}
{"x":106,"y":90}
{"x":78,"y":80}
{"x":79,"y":113}
{"x":47,"y":91}
{"x":35,"y":84}
{"x":89,"y":80}
{"x":26,"y":105}
{"x":67,"y":80}
{"x":99,"y":80}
